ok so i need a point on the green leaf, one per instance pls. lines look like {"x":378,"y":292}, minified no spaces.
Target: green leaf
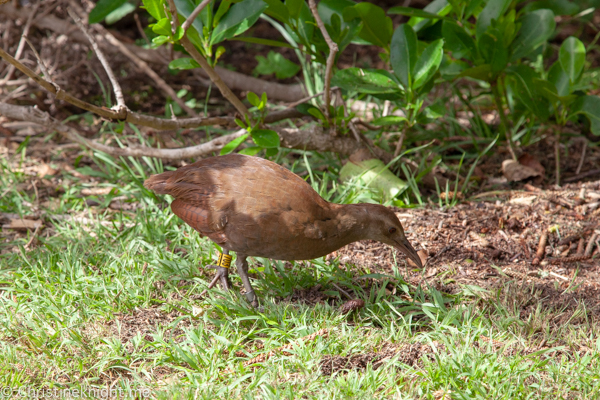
{"x":548,"y":90}
{"x":560,"y":79}
{"x":265,"y":138}
{"x":415,"y":12}
{"x":368,"y":81}
{"x":276,"y":63}
{"x":471,"y":7}
{"x":429,"y":62}
{"x":158,"y":40}
{"x":266,"y":42}
{"x":481,"y":72}
{"x":492,"y":10}
{"x":389,"y":120}
{"x":341,"y":32}
{"x":253,"y":99}
{"x":572,"y":58}
{"x":375,"y":175}
{"x":231,"y":146}
{"x":318,"y":114}
{"x":238,"y":19}
{"x":377,"y":27}
{"x":536,"y":27}
{"x":119,"y":13}
{"x":162,"y":27}
{"x":223,"y":8}
{"x":294,"y":7}
{"x":102,"y":9}
{"x":457,"y":39}
{"x":304,"y":108}
{"x":523,"y":79}
{"x":437,"y":7}
{"x":590,"y":107}
{"x":184,"y":63}
{"x":493,"y":52}
{"x":277,"y":10}
{"x":403,"y":54}
{"x":154,"y":8}
{"x":558,"y":7}
{"x":186,"y":7}
{"x":250,"y":151}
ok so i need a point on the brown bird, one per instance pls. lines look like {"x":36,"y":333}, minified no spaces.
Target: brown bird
{"x":255,"y":207}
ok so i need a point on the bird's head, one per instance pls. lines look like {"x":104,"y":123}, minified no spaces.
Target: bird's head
{"x":385,"y":227}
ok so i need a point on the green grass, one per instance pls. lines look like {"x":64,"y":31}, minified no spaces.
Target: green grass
{"x":63,"y":303}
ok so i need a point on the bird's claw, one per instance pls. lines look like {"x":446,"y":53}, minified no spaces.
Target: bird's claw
{"x":252,"y":299}
{"x":221,"y":275}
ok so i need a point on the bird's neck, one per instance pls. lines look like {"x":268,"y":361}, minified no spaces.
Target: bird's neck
{"x":351,"y":221}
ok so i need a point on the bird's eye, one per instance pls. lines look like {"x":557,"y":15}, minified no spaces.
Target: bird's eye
{"x":392,"y":230}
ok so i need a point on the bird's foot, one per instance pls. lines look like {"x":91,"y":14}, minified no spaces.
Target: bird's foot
{"x":252,"y":299}
{"x":221,"y":275}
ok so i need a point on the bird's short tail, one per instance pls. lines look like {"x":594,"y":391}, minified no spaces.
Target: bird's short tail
{"x":158,"y":183}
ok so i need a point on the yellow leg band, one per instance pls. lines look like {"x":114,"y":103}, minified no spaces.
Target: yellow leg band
{"x":224,"y":260}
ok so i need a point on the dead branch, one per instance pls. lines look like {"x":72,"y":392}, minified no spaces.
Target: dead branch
{"x":111,"y":75}
{"x":32,"y":114}
{"x":333,"y":49}
{"x":541,"y":251}
{"x":225,"y":91}
{"x":144,"y":67}
{"x":188,"y":22}
{"x":21,"y":44}
{"x":121,"y":114}
{"x":234,"y":80}
{"x":350,"y":123}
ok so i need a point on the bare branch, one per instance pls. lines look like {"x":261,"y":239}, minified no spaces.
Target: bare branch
{"x":39,"y":117}
{"x":40,"y":62}
{"x":333,"y":49}
{"x":311,"y":138}
{"x":350,"y":123}
{"x":21,"y":45}
{"x":168,"y":90}
{"x":234,"y":80}
{"x":133,"y":117}
{"x":188,"y":22}
{"x":100,"y":55}
{"x":120,"y":115}
{"x":400,"y":142}
{"x":225,"y":91}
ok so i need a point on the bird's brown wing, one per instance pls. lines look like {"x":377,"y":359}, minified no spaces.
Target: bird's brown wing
{"x":249,"y":203}
{"x":195,"y":188}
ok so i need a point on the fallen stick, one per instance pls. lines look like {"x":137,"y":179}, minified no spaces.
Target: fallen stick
{"x":541,"y":251}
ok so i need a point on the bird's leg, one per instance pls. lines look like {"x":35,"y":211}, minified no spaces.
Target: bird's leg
{"x":222,"y":273}
{"x":242,"y":266}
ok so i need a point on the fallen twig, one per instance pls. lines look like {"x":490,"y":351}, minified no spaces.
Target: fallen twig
{"x":541,"y":251}
{"x":520,"y":275}
{"x":558,"y":261}
{"x":590,"y":245}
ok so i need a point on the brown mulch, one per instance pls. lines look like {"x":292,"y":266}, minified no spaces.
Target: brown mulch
{"x":494,"y":238}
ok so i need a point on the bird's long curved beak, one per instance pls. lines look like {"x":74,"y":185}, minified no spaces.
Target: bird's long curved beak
{"x":404,"y":246}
